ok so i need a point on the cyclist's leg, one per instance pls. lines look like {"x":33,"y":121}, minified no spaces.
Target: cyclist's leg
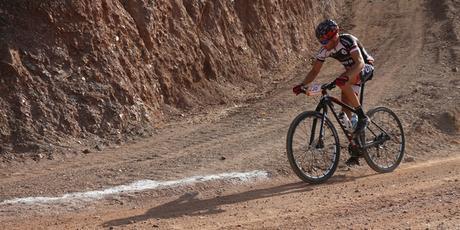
{"x":349,"y":96}
{"x":348,"y":93}
{"x":346,"y":85}
{"x":356,"y":89}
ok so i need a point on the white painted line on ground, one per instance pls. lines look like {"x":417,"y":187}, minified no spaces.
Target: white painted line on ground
{"x":137,"y":186}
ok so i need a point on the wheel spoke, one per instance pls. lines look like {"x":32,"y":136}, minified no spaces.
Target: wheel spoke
{"x":318,"y":159}
{"x":387,"y":131}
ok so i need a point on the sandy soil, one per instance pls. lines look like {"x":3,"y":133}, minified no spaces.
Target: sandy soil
{"x":417,"y":49}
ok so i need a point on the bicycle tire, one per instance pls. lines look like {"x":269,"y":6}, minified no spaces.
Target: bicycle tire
{"x":393,"y":130}
{"x":332,"y":144}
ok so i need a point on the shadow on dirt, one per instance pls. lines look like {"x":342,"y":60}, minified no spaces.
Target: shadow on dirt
{"x":188,"y":204}
{"x":347,"y":178}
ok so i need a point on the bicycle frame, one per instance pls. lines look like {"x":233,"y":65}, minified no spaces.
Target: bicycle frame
{"x":314,"y":159}
{"x":327,"y":102}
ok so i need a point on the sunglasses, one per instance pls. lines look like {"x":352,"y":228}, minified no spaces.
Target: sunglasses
{"x":324,"y":41}
{"x":327,"y":37}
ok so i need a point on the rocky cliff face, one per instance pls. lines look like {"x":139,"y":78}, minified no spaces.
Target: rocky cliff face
{"x":77,"y":69}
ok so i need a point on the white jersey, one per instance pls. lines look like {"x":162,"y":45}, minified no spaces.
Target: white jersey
{"x":342,"y":52}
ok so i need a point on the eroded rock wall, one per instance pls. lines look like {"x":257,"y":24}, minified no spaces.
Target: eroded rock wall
{"x":75,"y":69}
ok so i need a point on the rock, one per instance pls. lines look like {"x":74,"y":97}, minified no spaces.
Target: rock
{"x":38,"y":157}
{"x":86,"y":151}
{"x":409,"y":159}
{"x":455,"y":69}
{"x":30,"y":65}
{"x":222,"y":158}
{"x":99,"y":148}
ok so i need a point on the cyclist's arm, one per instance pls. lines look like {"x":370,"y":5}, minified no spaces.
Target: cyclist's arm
{"x":357,"y":67}
{"x":313,"y":72}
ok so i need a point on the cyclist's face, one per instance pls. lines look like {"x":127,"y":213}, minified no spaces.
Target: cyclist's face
{"x":329,"y":40}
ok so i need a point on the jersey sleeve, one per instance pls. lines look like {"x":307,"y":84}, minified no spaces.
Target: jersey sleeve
{"x":367,"y":58}
{"x":350,"y":42}
{"x":321,"y":56}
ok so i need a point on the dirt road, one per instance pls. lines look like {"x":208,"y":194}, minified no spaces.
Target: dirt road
{"x":419,"y":196}
{"x":412,"y":41}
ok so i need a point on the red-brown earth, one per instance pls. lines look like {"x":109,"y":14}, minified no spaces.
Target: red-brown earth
{"x":236,"y":121}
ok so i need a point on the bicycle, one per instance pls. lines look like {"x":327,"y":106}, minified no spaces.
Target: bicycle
{"x":314,"y":154}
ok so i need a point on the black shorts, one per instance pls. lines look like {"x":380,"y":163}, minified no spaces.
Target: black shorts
{"x":367,"y":73}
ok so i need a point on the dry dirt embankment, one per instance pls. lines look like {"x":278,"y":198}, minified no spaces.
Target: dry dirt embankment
{"x":416,"y":45}
{"x":88,"y":73}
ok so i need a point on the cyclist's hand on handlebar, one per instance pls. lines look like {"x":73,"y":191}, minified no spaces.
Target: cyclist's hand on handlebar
{"x":300,"y":88}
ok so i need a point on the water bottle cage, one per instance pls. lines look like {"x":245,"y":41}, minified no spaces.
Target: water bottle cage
{"x":345,"y":121}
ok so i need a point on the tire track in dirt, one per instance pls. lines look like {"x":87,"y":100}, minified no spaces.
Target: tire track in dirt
{"x":172,"y":153}
{"x":366,"y":200}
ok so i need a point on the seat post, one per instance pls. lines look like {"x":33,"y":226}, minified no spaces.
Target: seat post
{"x":361,"y":94}
{"x":366,"y":76}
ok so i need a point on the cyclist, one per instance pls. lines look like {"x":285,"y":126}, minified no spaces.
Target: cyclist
{"x":357,"y":62}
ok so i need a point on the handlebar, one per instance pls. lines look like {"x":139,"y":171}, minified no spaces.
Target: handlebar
{"x":328,"y":86}
{"x":304,"y":88}
{"x":316,"y":88}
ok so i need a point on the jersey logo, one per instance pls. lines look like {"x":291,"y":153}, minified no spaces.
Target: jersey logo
{"x":344,"y":52}
{"x":368,"y":69}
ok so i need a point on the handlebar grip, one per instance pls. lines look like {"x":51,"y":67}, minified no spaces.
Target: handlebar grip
{"x":304,"y":88}
{"x":329,"y":86}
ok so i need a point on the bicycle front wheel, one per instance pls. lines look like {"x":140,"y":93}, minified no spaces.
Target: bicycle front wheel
{"x":385,"y":134}
{"x":313,"y":157}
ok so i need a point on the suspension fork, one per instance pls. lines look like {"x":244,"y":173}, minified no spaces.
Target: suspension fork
{"x":321,"y":106}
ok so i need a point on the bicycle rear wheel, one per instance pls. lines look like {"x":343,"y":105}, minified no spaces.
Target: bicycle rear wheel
{"x":314,"y":160}
{"x":387,"y":135}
